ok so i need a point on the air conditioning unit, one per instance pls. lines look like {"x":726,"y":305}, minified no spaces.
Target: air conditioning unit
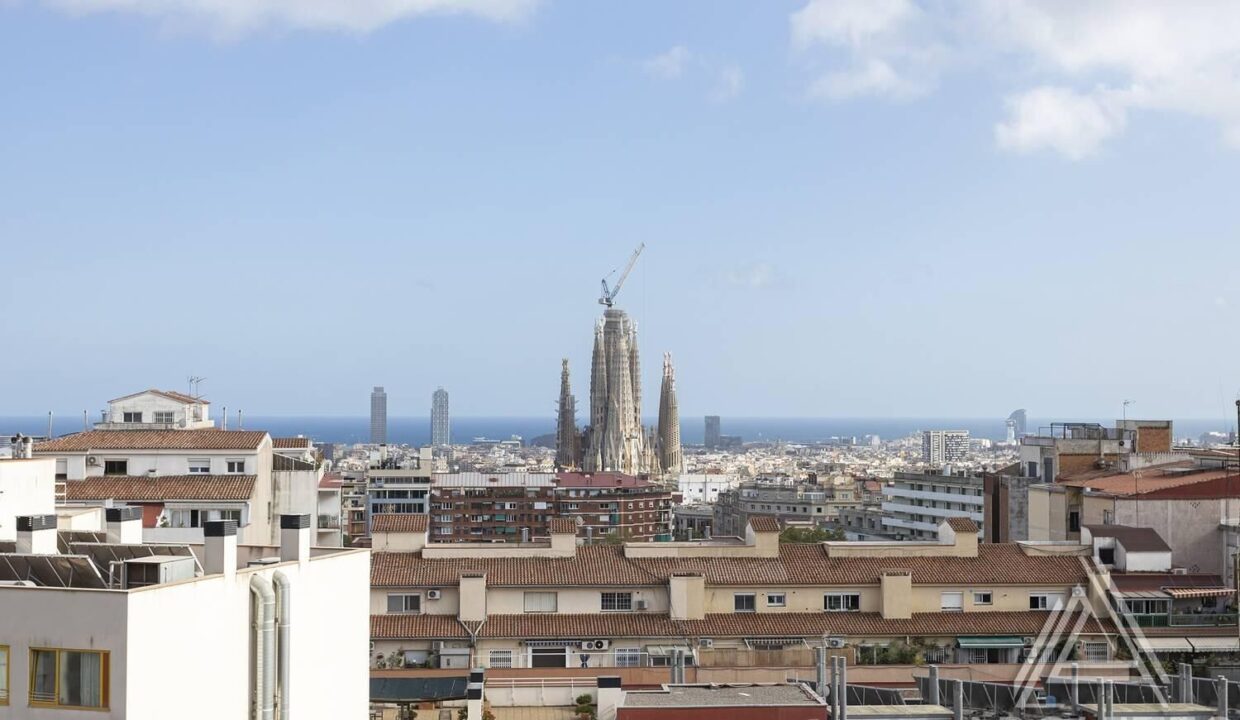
{"x":1179,"y":571}
{"x":706,"y":642}
{"x":835,"y":642}
{"x":433,"y":594}
{"x":1078,"y":591}
{"x":436,"y":645}
{"x":1028,"y":641}
{"x":595,"y":644}
{"x":92,"y":460}
{"x":639,"y":604}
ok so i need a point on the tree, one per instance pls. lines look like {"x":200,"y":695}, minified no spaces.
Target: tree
{"x":810,"y":535}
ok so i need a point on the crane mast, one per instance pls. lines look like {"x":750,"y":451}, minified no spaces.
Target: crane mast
{"x":609,"y":295}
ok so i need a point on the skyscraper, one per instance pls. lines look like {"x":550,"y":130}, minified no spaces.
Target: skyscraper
{"x":567,"y":440}
{"x":939,"y":447}
{"x":668,"y":439}
{"x":712,"y":437}
{"x":1020,"y":419}
{"x":378,"y":415}
{"x":441,"y":426}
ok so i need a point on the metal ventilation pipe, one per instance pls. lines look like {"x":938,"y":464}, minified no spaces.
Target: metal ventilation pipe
{"x":264,"y":637}
{"x":284,"y":603}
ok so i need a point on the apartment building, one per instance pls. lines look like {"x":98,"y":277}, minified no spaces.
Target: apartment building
{"x":614,"y":504}
{"x":100,"y":621}
{"x":185,"y":477}
{"x":942,"y":447}
{"x":156,"y":410}
{"x":704,"y":488}
{"x":558,"y":604}
{"x":481,"y":507}
{"x":399,"y":485}
{"x":915,"y":504}
{"x":791,"y":501}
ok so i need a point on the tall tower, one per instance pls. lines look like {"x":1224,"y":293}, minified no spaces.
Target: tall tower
{"x":670,"y":457}
{"x":616,"y":438}
{"x":441,"y":424}
{"x":567,"y":439}
{"x":378,"y":416}
{"x":712,"y":437}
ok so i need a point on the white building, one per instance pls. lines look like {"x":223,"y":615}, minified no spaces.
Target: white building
{"x":25,"y":489}
{"x":916,"y":504}
{"x":939,"y":447}
{"x":99,"y":621}
{"x":156,"y":410}
{"x":699,"y":488}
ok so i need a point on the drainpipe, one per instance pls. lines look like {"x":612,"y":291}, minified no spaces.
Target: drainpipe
{"x":284,"y":602}
{"x":264,"y":640}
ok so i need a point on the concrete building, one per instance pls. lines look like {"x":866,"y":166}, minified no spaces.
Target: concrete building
{"x":441,"y":423}
{"x":98,"y":621}
{"x":915,"y":504}
{"x":399,"y":487}
{"x":692,"y":522}
{"x":378,"y":416}
{"x":480,"y":507}
{"x":724,"y":603}
{"x":713,"y":432}
{"x":616,"y":505}
{"x":26,"y":487}
{"x":704,"y":488}
{"x":156,"y":410}
{"x":941,"y":447}
{"x":789,"y":501}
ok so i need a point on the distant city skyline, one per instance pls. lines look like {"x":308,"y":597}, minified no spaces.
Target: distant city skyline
{"x":832,"y":228}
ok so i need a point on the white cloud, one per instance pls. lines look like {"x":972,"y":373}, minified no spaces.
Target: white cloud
{"x":729,"y":84}
{"x":236,"y":17}
{"x":1059,"y":119}
{"x":1078,"y":70}
{"x":755,"y":276}
{"x":669,"y":65}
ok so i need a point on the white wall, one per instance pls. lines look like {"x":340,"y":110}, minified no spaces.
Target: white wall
{"x":27,"y":487}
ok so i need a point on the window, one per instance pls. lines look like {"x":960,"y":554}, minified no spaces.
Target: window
{"x":236,"y":466}
{"x":628,"y":657}
{"x":131,"y":417}
{"x":500,"y":659}
{"x":744,"y":602}
{"x":776,"y":600}
{"x":841,"y":602}
{"x":951,"y":602}
{"x":199,"y":466}
{"x":1106,"y":556}
{"x":536,"y":602}
{"x":1074,"y":521}
{"x":1096,"y":651}
{"x":4,"y":674}
{"x":1045,"y":601}
{"x":165,"y":417}
{"x":68,"y":678}
{"x":115,"y":467}
{"x":1108,"y":517}
{"x":982,"y":597}
{"x":542,"y":657}
{"x":617,"y":601}
{"x":986,"y":656}
{"x":404,"y":603}
{"x":197,"y":518}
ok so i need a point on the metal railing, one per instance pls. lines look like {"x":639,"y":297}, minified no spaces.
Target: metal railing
{"x":1163,"y":620}
{"x":329,"y":522}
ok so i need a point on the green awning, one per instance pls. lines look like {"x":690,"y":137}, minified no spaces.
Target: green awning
{"x":990,"y":642}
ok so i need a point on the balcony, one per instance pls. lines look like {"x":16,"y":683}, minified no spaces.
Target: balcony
{"x":329,"y":522}
{"x":1184,"y":620}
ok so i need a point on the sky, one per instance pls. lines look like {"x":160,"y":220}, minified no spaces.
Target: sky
{"x":862,"y":208}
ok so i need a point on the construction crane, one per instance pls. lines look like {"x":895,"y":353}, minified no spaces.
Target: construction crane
{"x":609,"y":295}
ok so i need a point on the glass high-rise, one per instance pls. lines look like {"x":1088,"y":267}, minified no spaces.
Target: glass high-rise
{"x":441,"y":425}
{"x":378,"y":416}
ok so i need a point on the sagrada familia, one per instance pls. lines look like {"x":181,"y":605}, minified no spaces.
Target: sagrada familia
{"x":615,"y":440}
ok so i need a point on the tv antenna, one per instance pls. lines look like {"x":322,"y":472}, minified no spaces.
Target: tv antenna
{"x":194,"y":382}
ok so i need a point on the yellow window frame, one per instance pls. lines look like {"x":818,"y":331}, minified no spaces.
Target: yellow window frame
{"x":105,"y":678}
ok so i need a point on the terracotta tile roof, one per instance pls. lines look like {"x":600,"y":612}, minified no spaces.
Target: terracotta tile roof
{"x":1145,"y":481}
{"x":962,"y":525}
{"x":1134,"y":539}
{"x":594,"y":565}
{"x":286,"y":443}
{"x":850,"y":624}
{"x":562,"y":526}
{"x":737,"y":625}
{"x":797,"y":564}
{"x":420,"y":627}
{"x":399,"y":523}
{"x":168,"y":487}
{"x":154,"y":440}
{"x":1144,"y":582}
{"x":330,"y":480}
{"x":170,"y":394}
{"x":764,"y":523}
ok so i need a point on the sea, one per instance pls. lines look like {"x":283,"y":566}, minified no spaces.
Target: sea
{"x":416,"y":430}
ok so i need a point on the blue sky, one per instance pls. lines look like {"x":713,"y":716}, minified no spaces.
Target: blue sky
{"x":879,"y":208}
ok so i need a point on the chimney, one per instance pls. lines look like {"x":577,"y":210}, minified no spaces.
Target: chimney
{"x":220,"y":547}
{"x":687,"y":594}
{"x":36,"y":534}
{"x":23,"y":447}
{"x":124,"y":524}
{"x":897,"y":591}
{"x":473,"y":701}
{"x":610,"y":697}
{"x":473,"y":592}
{"x":294,"y":538}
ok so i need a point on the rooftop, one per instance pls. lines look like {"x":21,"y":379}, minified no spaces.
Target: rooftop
{"x":154,"y":440}
{"x":600,"y":480}
{"x":1166,"y":480}
{"x":169,"y":394}
{"x":477,"y":479}
{"x":1134,"y":539}
{"x":722,"y":696}
{"x":399,"y":523}
{"x":154,"y":489}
